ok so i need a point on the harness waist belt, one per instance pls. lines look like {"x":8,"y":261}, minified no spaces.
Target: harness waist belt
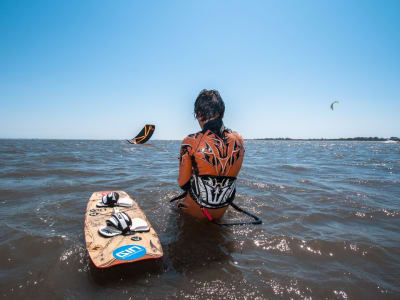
{"x":212,"y":191}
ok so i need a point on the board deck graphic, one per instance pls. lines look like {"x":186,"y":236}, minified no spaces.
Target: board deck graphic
{"x":107,"y":252}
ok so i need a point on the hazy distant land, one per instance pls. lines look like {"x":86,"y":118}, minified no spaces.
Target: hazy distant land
{"x":364,"y":139}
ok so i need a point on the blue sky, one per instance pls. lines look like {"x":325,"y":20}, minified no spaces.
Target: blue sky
{"x":103,"y":69}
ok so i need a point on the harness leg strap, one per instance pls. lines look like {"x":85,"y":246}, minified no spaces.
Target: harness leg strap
{"x":204,"y":210}
{"x":181,"y":196}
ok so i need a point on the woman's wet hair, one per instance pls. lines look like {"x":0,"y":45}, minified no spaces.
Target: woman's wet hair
{"x":209,"y":105}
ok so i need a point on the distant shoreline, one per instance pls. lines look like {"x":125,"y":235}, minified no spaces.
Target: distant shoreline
{"x":360,"y":139}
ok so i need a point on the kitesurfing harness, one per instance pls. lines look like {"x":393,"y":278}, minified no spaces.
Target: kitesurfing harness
{"x":256,"y":221}
{"x":210,"y":179}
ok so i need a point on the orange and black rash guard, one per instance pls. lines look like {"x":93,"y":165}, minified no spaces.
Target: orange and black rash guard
{"x":214,"y":154}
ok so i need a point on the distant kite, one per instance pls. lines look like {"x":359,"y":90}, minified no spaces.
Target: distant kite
{"x":334,"y":102}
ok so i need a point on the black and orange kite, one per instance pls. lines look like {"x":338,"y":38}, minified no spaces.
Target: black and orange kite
{"x":144,"y":135}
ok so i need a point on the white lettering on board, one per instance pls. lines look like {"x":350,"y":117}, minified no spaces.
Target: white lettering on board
{"x":128,"y":252}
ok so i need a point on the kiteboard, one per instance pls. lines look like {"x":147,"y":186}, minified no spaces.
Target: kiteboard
{"x":130,"y":247}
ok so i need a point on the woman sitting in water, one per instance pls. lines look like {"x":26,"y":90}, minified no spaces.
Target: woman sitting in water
{"x":210,"y":160}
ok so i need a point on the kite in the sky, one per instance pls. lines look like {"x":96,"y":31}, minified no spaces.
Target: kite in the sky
{"x":334,"y":102}
{"x":144,"y":135}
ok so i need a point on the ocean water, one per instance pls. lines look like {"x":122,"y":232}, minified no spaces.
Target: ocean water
{"x":330,"y":210}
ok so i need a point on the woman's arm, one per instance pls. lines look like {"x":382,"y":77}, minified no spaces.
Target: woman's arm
{"x":185,"y":167}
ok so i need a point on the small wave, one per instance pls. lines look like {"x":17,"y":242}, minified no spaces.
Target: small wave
{"x":294,"y":167}
{"x":261,"y":185}
{"x":126,"y":149}
{"x":384,"y":212}
{"x":12,"y":194}
{"x":279,"y":244}
{"x":315,"y":218}
{"x":312,"y":183}
{"x":372,"y":182}
{"x":12,"y":151}
{"x":50,"y":172}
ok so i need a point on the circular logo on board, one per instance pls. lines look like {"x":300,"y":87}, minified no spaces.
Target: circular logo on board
{"x":129,"y":252}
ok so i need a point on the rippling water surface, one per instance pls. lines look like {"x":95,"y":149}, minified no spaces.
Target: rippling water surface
{"x":331,"y":214}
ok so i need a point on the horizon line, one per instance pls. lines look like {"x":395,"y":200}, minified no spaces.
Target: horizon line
{"x":269,"y":138}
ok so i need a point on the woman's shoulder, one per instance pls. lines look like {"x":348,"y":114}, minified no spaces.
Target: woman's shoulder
{"x":191,"y":138}
{"x":234,"y":134}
